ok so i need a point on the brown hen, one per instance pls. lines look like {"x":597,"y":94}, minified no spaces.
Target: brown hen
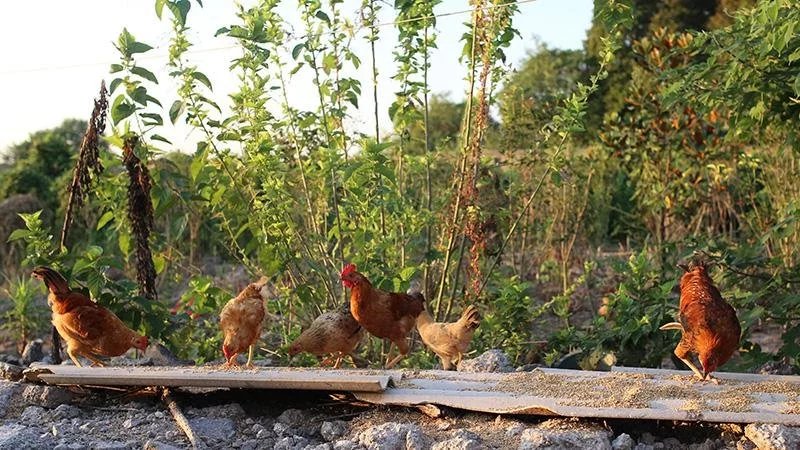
{"x":333,"y":333}
{"x":387,"y":315}
{"x":88,"y":329}
{"x":241,"y":320}
{"x":708,"y":323}
{"x":449,"y":340}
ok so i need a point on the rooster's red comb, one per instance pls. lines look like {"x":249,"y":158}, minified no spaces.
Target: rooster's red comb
{"x":348,"y":269}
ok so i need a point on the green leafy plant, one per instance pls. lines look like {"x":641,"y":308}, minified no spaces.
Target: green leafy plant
{"x":26,"y":317}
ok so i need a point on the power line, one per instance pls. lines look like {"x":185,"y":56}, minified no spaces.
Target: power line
{"x":290,"y":38}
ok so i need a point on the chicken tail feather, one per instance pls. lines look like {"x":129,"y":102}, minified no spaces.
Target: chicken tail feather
{"x":471,"y":318}
{"x":671,"y":326}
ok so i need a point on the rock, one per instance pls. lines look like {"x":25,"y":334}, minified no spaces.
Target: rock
{"x":641,"y":446}
{"x":745,"y":444}
{"x":291,"y":443}
{"x":494,"y":360}
{"x":623,"y":442}
{"x":708,"y":444}
{"x":293,"y":417}
{"x":158,"y":415}
{"x":16,"y":436}
{"x":254,"y":444}
{"x":458,"y":443}
{"x":647,"y":438}
{"x":47,"y":396}
{"x":33,"y":415}
{"x":332,"y":431}
{"x":73,"y":446}
{"x":7,"y":392}
{"x":263,"y":434}
{"x":392,"y":435}
{"x":162,"y":356}
{"x":112,"y":445}
{"x":33,"y":352}
{"x":769,"y":436}
{"x":780,"y":367}
{"x":565,"y":434}
{"x":515,"y":430}
{"x":213,"y":429}
{"x":280,"y":429}
{"x":345,"y":444}
{"x":227,"y":410}
{"x":131,"y":422}
{"x":158,"y":445}
{"x":325,"y":446}
{"x":66,"y":412}
{"x":11,"y":372}
{"x":672,"y":444}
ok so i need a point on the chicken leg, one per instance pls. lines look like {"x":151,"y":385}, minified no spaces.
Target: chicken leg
{"x":402,"y":347}
{"x":249,"y":364}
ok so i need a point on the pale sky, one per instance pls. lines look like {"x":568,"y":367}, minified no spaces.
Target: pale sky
{"x":53,"y":54}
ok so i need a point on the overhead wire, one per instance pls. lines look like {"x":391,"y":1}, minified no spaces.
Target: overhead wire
{"x":290,"y":38}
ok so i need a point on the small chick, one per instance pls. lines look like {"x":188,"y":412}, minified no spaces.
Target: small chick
{"x":241,"y":320}
{"x":449,"y":340}
{"x":333,"y":333}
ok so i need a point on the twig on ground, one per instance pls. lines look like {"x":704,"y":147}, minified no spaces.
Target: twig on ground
{"x":181,"y":420}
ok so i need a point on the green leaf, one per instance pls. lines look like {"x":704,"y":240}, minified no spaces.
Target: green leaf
{"x":407,"y":273}
{"x":116,"y":68}
{"x":180,"y":10}
{"x":297,"y":49}
{"x":175,"y":110}
{"x":20,"y":233}
{"x":160,"y":7}
{"x":322,"y":16}
{"x":108,"y":216}
{"x":114,"y":85}
{"x":125,"y":243}
{"x":197,"y":165}
{"x":152,"y":119}
{"x":158,"y":137}
{"x":201,"y":77}
{"x":144,"y":73}
{"x":159,"y":262}
{"x":128,"y":46}
{"x":121,"y":108}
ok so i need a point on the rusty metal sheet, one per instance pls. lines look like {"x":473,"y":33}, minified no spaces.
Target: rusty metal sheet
{"x":258,"y":378}
{"x":623,"y":393}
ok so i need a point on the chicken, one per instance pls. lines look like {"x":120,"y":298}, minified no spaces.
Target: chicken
{"x":88,"y":329}
{"x":449,"y":340}
{"x":241,"y":320}
{"x":708,"y":323}
{"x":387,"y":315}
{"x":334,"y":332}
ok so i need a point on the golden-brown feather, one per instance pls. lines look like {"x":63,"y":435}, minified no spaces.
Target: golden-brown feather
{"x":449,"y":340}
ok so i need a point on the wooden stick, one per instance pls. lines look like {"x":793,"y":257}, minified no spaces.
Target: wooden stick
{"x":181,"y":420}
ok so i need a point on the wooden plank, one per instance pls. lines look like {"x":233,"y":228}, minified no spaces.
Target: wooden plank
{"x":259,"y":378}
{"x":624,"y":393}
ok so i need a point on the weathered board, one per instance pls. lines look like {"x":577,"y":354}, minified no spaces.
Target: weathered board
{"x":623,"y":393}
{"x":258,"y":378}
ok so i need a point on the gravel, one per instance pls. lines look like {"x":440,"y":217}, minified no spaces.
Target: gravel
{"x":773,"y":436}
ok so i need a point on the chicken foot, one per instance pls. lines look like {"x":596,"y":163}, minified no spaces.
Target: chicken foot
{"x":402,"y":347}
{"x":249,"y":364}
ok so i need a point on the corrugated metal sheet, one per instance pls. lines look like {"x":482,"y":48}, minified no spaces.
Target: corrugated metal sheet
{"x":623,"y":393}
